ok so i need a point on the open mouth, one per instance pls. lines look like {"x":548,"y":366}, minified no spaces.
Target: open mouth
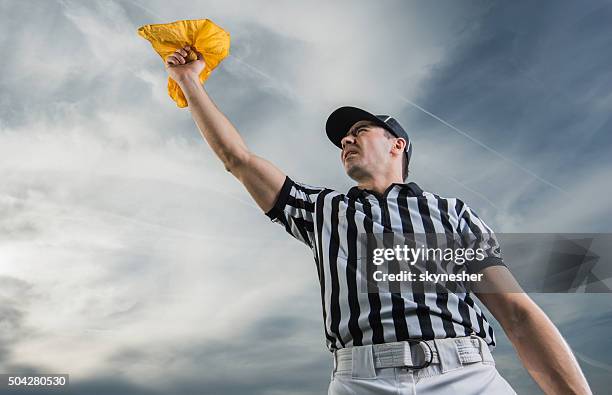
{"x":349,"y":154}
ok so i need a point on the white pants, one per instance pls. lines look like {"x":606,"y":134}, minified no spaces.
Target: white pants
{"x":460,"y":366}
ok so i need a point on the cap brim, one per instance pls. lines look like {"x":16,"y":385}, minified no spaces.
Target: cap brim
{"x":340,"y":121}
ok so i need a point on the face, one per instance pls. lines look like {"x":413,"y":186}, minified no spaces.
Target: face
{"x":367,"y":151}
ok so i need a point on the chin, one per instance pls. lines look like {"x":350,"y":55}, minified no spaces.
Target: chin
{"x":355,"y":172}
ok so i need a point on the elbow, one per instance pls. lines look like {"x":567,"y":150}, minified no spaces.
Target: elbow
{"x":233,"y":162}
{"x":515,"y":323}
{"x":520,"y":316}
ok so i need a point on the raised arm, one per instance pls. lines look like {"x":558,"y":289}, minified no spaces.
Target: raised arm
{"x":261,"y":178}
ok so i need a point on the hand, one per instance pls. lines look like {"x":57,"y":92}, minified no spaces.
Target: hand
{"x":185,"y":63}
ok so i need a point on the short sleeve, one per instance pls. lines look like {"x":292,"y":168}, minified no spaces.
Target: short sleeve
{"x":294,"y":209}
{"x":476,"y":234}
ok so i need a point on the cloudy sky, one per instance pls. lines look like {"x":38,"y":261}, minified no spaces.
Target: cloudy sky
{"x":131,"y":260}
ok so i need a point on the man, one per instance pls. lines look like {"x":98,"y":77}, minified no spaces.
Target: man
{"x":388,"y":342}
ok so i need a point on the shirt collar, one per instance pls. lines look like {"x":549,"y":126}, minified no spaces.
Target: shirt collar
{"x":412,"y":188}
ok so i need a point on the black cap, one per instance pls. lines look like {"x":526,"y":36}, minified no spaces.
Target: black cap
{"x":340,"y":122}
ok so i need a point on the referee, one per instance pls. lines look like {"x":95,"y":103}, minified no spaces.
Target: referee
{"x":389,"y":342}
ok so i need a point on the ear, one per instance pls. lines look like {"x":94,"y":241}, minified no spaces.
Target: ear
{"x":399,"y":145}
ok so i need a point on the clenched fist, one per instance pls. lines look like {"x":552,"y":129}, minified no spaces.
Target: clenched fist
{"x":184,"y":63}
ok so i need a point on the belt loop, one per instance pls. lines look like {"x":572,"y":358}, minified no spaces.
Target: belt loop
{"x":363,"y":362}
{"x":407,"y":354}
{"x":448,"y":354}
{"x":487,"y":357}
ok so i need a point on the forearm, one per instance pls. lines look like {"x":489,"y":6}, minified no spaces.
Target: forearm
{"x":214,"y":126}
{"x":545,"y":354}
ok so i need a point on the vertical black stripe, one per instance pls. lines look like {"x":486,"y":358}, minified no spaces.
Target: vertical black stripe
{"x":468,"y":299}
{"x":448,"y":228}
{"x":479,"y":318}
{"x":445,"y":314}
{"x":475,"y":229}
{"x":302,"y":227}
{"x":373,"y":298}
{"x":334,"y":245}
{"x":423,"y":311}
{"x":463,"y":308}
{"x":449,"y":233}
{"x":444,"y":217}
{"x":492,"y":335}
{"x":320,"y":217}
{"x":442,"y":294}
{"x":351,"y":276}
{"x":397,"y":309}
{"x":404,"y":212}
{"x":407,"y":229}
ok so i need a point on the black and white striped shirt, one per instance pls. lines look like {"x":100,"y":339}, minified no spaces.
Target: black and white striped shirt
{"x":330,"y":223}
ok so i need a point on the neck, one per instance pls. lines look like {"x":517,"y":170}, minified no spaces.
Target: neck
{"x":379,"y":184}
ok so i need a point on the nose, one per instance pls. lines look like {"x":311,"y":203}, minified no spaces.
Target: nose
{"x":349,"y":138}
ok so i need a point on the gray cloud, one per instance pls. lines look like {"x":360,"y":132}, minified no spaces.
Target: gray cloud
{"x":15,"y":295}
